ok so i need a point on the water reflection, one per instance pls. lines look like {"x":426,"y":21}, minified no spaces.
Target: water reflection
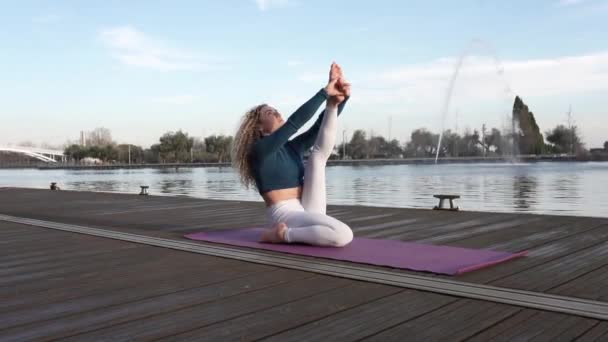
{"x":524,"y":192}
{"x":109,"y":186}
{"x":167,"y":171}
{"x":566,"y":188}
{"x":176,"y":186}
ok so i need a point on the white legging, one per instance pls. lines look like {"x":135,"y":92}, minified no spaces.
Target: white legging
{"x":306,"y":220}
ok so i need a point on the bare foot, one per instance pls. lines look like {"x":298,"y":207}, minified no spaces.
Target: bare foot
{"x":276,"y":234}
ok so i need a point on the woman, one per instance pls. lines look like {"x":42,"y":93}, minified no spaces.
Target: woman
{"x":294,"y":195}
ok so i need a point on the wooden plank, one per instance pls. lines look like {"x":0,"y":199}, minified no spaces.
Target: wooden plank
{"x":104,"y":260}
{"x":132,"y":276}
{"x":44,"y":240}
{"x":97,"y":279}
{"x":533,"y":325}
{"x":596,"y":334}
{"x":427,"y":229}
{"x":444,"y":235}
{"x":572,"y":238}
{"x":154,"y":222}
{"x":9,"y":237}
{"x":368,"y":319}
{"x":442,"y":227}
{"x":503,"y":230}
{"x":52,"y":261}
{"x":559,"y":271}
{"x":591,"y":285}
{"x":284,"y":317}
{"x":365,"y":218}
{"x":400,"y":224}
{"x":117,"y":212}
{"x":504,"y":327}
{"x":568,"y":330}
{"x":402,"y":213}
{"x":455,"y":322}
{"x":529,"y":236}
{"x":427,"y":226}
{"x":180,"y":287}
{"x":167,"y":315}
{"x":71,"y":251}
{"x":540,"y":255}
{"x":569,"y":305}
{"x":96,"y":274}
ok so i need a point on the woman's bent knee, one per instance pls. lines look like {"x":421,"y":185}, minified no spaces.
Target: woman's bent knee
{"x":344,"y":236}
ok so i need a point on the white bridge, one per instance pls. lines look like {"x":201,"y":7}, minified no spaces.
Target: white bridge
{"x":46,"y":155}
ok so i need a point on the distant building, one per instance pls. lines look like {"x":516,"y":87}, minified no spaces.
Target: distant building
{"x":83,"y":138}
{"x":598,"y":154}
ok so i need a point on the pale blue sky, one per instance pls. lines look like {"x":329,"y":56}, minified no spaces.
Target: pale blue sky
{"x":141,"y":68}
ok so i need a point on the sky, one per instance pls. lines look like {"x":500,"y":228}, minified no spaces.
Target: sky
{"x":143,"y":68}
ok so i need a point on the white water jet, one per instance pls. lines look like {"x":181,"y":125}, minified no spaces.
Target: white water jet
{"x":452,"y":82}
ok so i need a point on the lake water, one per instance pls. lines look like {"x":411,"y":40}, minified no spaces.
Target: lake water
{"x":567,"y":188}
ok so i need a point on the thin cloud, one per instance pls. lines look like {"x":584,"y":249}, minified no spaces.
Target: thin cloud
{"x":264,"y":5}
{"x":312,"y":77}
{"x":485,"y":89}
{"x":568,"y":3}
{"x":480,"y":78}
{"x":177,"y":99}
{"x":134,"y":48}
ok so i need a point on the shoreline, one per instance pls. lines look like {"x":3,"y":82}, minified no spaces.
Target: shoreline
{"x":331,"y":162}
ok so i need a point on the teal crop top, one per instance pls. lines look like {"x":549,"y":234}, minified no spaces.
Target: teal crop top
{"x":277,"y":161}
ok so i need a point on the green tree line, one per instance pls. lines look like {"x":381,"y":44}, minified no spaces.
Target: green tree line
{"x":523,"y":138}
{"x":173,"y":147}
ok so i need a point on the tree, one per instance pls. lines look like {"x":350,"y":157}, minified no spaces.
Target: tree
{"x":219,"y":145}
{"x":494,"y":140}
{"x":175,"y":147}
{"x":564,"y":139}
{"x":469,"y":144}
{"x":109,"y":153}
{"x":105,"y":153}
{"x":99,"y":136}
{"x":357,"y":147}
{"x":137,"y":154}
{"x":76,"y":152}
{"x":530,"y":140}
{"x":375,"y":147}
{"x":393,"y":149}
{"x":423,"y":143}
{"x":152,"y":154}
{"x":450,"y":144}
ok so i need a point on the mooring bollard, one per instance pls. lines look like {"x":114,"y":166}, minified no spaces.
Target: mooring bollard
{"x":444,"y":197}
{"x":144,"y":190}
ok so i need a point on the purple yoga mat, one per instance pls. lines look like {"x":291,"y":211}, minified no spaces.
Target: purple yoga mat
{"x":398,"y":254}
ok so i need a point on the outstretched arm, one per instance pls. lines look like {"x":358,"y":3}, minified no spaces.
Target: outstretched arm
{"x":304,"y":141}
{"x":278,"y":138}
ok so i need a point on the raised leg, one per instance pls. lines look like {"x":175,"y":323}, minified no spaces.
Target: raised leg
{"x":314,"y":196}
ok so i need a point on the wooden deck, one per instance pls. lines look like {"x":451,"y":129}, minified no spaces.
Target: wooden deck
{"x":61,"y":285}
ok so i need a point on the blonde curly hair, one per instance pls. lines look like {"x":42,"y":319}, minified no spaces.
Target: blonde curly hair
{"x":248,"y":133}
